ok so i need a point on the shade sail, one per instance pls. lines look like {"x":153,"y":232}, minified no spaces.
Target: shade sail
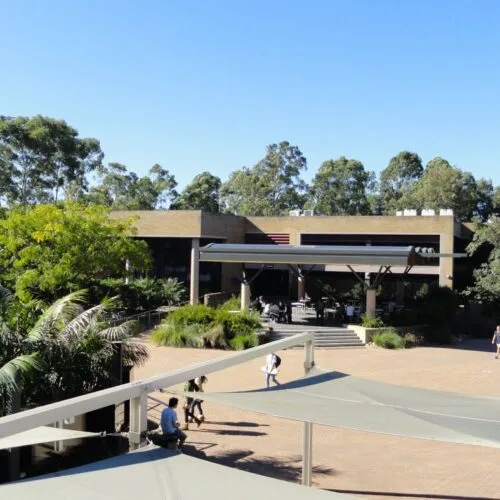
{"x":340,"y":400}
{"x":42,"y":435}
{"x":309,"y":254}
{"x":158,"y":474}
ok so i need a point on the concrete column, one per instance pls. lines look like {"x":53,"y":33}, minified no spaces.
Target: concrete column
{"x":245,"y":296}
{"x":301,"y":287}
{"x":194,"y":289}
{"x":307,"y":427}
{"x":446,"y":245}
{"x":371,"y":302}
{"x":138,"y":423}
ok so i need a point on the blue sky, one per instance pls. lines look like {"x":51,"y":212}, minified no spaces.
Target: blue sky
{"x":206,"y":85}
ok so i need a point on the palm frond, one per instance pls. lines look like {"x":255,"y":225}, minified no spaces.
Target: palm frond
{"x":134,"y":354}
{"x":82,"y":322}
{"x":120,"y":332}
{"x":19,"y":366}
{"x":62,"y":311}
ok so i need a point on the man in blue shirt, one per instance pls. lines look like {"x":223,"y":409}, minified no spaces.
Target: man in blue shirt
{"x":170,"y":424}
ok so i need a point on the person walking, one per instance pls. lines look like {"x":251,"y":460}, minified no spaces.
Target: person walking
{"x":271,"y":368}
{"x":496,"y":340}
{"x":190,"y":386}
{"x":200,"y":382}
{"x":170,"y":424}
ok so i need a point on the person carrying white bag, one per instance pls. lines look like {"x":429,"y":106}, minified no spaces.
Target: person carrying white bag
{"x":271,"y":368}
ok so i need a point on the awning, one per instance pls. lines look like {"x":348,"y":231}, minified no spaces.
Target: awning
{"x":316,"y":254}
{"x":340,"y":400}
{"x":42,"y":435}
{"x":158,"y":474}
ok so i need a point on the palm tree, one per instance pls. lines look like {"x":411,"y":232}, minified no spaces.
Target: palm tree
{"x":68,"y":352}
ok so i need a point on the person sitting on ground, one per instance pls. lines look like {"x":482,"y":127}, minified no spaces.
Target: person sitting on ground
{"x":190,"y":386}
{"x":274,"y":313}
{"x":170,"y":424}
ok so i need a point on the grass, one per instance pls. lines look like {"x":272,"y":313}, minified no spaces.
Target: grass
{"x":389,"y":339}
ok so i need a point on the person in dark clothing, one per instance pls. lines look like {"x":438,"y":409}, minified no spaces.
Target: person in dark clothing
{"x":190,"y":386}
{"x":288,"y":313}
{"x":320,"y":312}
{"x":282,"y":312}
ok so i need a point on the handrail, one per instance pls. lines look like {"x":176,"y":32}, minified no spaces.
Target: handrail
{"x":47,"y":414}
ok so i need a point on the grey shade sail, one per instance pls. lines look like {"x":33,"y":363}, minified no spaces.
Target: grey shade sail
{"x":157,"y":474}
{"x":340,"y":400}
{"x":43,"y":434}
{"x":312,"y":254}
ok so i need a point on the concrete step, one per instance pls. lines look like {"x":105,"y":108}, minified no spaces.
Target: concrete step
{"x":325,"y":337}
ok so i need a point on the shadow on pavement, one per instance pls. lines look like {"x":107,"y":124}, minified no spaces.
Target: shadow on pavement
{"x":288,"y":469}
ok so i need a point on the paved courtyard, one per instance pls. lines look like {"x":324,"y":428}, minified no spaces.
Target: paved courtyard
{"x":367,"y":465}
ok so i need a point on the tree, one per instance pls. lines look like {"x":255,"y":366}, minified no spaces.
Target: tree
{"x":340,"y":187}
{"x":48,"y":251}
{"x":271,"y":187}
{"x":71,"y":350}
{"x":123,"y":190}
{"x":398,"y":178}
{"x":40,"y":157}
{"x":444,"y":186}
{"x":487,"y":277}
{"x":201,"y":194}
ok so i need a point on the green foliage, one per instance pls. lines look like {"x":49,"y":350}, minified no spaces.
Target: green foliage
{"x":48,"y":251}
{"x":201,"y":194}
{"x":244,"y":341}
{"x":389,"y":339}
{"x":141,"y":294}
{"x":397,"y":180}
{"x":202,"y":326}
{"x":41,"y":158}
{"x":68,"y":352}
{"x":123,"y":190}
{"x":372,"y":322}
{"x":340,"y":187}
{"x":232,"y":304}
{"x":487,"y":277}
{"x":272,"y":187}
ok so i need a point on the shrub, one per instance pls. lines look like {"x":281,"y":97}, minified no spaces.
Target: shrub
{"x":389,"y":339}
{"x":372,"y":322}
{"x":412,"y":339}
{"x":202,"y":326}
{"x":175,"y":336}
{"x":244,"y":341}
{"x":232,"y":304}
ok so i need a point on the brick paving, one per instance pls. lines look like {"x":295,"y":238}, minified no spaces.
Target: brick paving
{"x":371,"y":466}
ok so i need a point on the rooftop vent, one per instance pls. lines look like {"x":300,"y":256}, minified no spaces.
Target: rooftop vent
{"x":409,"y":212}
{"x":294,"y":213}
{"x":428,"y":212}
{"x":445,"y":211}
{"x":308,"y":213}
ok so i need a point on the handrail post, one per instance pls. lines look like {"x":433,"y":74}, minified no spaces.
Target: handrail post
{"x":138,"y":423}
{"x":307,"y":427}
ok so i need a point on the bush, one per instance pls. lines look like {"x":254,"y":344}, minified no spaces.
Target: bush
{"x":232,"y":304}
{"x":389,"y":339}
{"x":372,"y":322}
{"x":203,"y":326}
{"x":412,"y":339}
{"x":244,"y":341}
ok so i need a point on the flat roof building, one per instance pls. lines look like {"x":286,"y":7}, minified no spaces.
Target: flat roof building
{"x":176,"y":236}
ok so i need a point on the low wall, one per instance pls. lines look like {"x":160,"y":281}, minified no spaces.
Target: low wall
{"x":366,"y":334}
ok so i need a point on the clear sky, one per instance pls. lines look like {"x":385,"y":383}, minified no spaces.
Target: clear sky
{"x":206,"y":85}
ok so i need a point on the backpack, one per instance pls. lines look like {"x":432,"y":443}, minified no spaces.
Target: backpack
{"x":278,"y":361}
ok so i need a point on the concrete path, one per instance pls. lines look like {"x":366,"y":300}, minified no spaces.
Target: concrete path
{"x":368,"y":465}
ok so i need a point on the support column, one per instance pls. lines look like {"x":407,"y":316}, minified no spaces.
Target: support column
{"x":138,"y":423}
{"x":371,"y":302}
{"x":307,"y":426}
{"x":245,"y":296}
{"x":194,"y":289}
{"x":301,"y":287}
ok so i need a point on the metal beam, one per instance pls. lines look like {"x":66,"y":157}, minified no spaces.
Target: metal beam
{"x":47,"y":414}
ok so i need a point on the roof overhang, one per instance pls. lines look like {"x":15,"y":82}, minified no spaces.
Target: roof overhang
{"x":313,"y":254}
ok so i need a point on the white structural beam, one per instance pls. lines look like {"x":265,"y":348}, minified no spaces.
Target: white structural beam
{"x":194,"y":281}
{"x":47,"y":414}
{"x":307,"y":426}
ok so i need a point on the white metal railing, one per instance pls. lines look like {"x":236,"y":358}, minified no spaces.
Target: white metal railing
{"x":47,"y":414}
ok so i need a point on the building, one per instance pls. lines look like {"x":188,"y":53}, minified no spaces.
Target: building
{"x":175,"y":237}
